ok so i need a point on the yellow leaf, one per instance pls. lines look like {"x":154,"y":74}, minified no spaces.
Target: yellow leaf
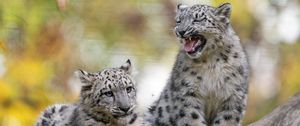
{"x":29,"y":71}
{"x":6,"y":92}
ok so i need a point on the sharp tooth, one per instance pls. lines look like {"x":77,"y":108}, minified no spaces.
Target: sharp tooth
{"x":190,"y":38}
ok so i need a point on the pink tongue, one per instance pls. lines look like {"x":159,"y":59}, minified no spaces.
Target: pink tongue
{"x":189,"y":46}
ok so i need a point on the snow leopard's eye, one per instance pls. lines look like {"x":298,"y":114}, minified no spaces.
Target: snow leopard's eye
{"x":108,"y":93}
{"x":178,"y":21}
{"x":198,"y":20}
{"x":129,"y":89}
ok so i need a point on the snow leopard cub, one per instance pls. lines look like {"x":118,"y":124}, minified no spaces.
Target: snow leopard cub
{"x":108,"y":98}
{"x":209,"y":81}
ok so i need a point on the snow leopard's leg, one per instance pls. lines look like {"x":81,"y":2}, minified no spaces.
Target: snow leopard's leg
{"x":232,"y":111}
{"x":52,"y":115}
{"x":190,"y":111}
{"x":190,"y":117}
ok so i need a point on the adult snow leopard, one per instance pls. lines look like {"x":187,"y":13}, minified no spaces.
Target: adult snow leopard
{"x":107,"y":98}
{"x":209,"y":81}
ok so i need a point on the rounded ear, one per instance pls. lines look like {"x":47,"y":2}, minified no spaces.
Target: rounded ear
{"x":223,"y":12}
{"x":127,"y":67}
{"x":181,"y":7}
{"x":85,"y":77}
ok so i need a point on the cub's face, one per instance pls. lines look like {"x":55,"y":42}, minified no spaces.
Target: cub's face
{"x":197,"y":25}
{"x":112,"y":90}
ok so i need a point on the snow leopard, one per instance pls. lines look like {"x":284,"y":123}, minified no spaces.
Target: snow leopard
{"x":107,"y":98}
{"x":208,"y":85}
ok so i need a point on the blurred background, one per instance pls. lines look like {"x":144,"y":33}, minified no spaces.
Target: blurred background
{"x":42,"y":43}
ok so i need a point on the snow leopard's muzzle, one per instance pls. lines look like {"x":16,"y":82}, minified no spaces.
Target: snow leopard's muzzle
{"x":193,"y":43}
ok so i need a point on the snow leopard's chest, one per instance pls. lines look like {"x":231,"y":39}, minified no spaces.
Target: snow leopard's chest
{"x":208,"y":82}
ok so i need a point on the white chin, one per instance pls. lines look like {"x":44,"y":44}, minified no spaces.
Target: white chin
{"x":195,"y":55}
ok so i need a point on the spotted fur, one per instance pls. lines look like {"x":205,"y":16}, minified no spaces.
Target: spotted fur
{"x":208,"y":85}
{"x":108,"y":98}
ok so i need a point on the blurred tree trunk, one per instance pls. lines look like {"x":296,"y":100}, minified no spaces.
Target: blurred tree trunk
{"x":287,"y":114}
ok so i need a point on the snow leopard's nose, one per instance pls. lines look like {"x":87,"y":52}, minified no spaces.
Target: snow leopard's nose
{"x":124,"y":109}
{"x":181,"y":33}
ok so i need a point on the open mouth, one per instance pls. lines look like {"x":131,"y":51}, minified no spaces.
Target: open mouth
{"x":194,"y":43}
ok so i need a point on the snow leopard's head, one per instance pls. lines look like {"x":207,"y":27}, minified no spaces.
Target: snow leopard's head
{"x":111,"y":90}
{"x":198,"y":26}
